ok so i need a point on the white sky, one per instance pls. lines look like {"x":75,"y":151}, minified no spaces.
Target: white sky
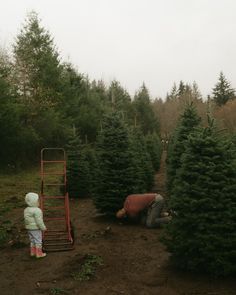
{"x":158,"y":42}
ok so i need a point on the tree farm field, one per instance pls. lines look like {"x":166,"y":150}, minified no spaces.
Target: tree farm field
{"x":110,"y":257}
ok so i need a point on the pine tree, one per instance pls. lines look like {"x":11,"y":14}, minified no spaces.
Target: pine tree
{"x":201,"y":236}
{"x":73,"y":149}
{"x":154,"y":149}
{"x":144,"y":115}
{"x":114,"y":164}
{"x":37,"y":66}
{"x":141,"y":171}
{"x":222,"y":92}
{"x":82,"y":168}
{"x":38,"y":81}
{"x":187,"y":122}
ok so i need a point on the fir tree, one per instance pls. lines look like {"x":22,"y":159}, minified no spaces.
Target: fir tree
{"x":114,"y":165}
{"x":37,"y":66}
{"x":201,"y":236}
{"x":222,"y":92}
{"x":141,"y":171}
{"x":145,"y":117}
{"x":154,"y":149}
{"x":73,"y":161}
{"x":88,"y":171}
{"x":188,"y":120}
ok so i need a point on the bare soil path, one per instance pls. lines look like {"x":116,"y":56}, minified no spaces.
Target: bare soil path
{"x":134,"y":262}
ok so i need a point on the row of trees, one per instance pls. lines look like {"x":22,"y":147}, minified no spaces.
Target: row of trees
{"x":122,"y":162}
{"x":42,"y":99}
{"x":114,"y":148}
{"x":201,"y":174}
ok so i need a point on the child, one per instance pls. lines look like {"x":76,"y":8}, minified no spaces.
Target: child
{"x":33,"y":217}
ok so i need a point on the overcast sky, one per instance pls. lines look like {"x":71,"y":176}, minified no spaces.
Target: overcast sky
{"x":158,"y":42}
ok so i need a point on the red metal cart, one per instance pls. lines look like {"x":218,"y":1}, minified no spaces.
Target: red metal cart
{"x":54,"y":201}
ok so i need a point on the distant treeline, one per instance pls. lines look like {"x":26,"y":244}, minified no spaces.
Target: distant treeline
{"x":43,"y":100}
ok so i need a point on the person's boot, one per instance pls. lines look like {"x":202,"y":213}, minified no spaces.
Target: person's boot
{"x":39,"y":252}
{"x":32,"y":250}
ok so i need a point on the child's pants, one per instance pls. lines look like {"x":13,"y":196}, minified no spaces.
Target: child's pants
{"x":35,"y":237}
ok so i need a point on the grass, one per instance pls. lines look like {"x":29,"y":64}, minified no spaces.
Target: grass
{"x":13,"y":187}
{"x":88,"y":268}
{"x":57,"y":291}
{"x":18,"y":184}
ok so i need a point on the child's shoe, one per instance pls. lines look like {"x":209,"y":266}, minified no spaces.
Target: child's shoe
{"x":39,"y":252}
{"x":32,"y":251}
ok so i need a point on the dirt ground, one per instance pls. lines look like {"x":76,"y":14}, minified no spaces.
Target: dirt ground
{"x":132,"y":261}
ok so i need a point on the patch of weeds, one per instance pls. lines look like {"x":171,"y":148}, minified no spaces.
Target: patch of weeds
{"x":4,"y":209}
{"x":88,"y":268}
{"x":57,"y":291}
{"x":3,"y":236}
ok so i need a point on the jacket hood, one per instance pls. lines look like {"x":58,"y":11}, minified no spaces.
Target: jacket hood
{"x":32,"y":199}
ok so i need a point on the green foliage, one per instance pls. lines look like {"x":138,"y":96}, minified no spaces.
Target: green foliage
{"x":88,"y":268}
{"x":119,"y":99}
{"x":141,"y":171}
{"x":222,"y":92}
{"x":81,"y":168}
{"x":201,"y":236}
{"x":37,"y":66}
{"x":114,"y":164}
{"x":154,"y":148}
{"x":3,"y":236}
{"x":144,"y":116}
{"x":57,"y":291}
{"x":188,"y":121}
{"x":73,"y":149}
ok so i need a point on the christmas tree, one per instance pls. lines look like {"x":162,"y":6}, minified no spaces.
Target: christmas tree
{"x":114,"y":165}
{"x":188,"y":121}
{"x":202,"y":236}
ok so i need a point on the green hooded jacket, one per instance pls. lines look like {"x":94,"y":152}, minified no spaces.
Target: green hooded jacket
{"x":33,"y":215}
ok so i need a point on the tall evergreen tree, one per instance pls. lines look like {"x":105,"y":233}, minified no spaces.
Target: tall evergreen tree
{"x":154,"y":149}
{"x":37,"y":66}
{"x":142,"y":171}
{"x":187,"y":122}
{"x":222,"y":92}
{"x":144,"y":115}
{"x":201,"y":236}
{"x":38,"y":80}
{"x":119,"y":97}
{"x":114,"y":163}
{"x":73,"y":149}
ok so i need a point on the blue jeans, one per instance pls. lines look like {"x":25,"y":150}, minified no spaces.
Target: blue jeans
{"x":35,"y":237}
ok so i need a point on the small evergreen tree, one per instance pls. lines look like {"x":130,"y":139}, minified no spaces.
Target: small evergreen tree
{"x":222,"y":92}
{"x":201,"y":236}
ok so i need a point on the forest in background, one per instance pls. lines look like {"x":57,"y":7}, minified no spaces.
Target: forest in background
{"x":43,"y":100}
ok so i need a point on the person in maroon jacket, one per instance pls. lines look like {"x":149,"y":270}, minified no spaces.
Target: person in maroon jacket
{"x":147,"y":207}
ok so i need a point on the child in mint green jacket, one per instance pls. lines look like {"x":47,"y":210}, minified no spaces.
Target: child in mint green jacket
{"x":33,"y":217}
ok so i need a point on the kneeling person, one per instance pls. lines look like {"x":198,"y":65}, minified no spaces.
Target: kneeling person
{"x":147,"y":207}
